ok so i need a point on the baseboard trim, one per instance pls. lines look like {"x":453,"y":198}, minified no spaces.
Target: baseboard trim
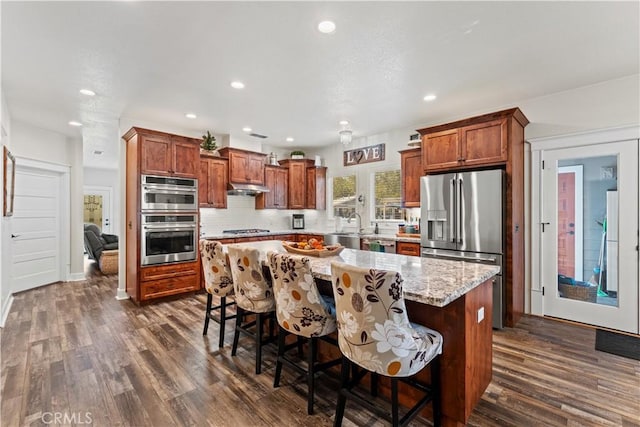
{"x":75,"y":277}
{"x":5,"y":310}
{"x":122,"y":294}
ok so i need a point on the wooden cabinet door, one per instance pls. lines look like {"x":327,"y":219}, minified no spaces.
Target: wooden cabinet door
{"x":238,"y":165}
{"x":267,"y":200}
{"x":441,"y":150}
{"x":316,"y":188}
{"x":408,"y":248}
{"x":484,"y":143}
{"x":204,"y":184}
{"x":255,"y":169}
{"x":411,"y":171}
{"x":185,"y":154}
{"x":282,"y":188}
{"x":155,"y":154}
{"x":218,"y":173}
{"x":297,"y":184}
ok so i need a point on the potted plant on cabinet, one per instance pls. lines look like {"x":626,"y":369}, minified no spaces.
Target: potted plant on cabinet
{"x":208,"y":144}
{"x":297,"y":154}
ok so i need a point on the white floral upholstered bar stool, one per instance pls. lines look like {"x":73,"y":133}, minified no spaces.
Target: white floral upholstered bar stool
{"x":374,"y":333}
{"x":218,"y":282}
{"x":254,"y":295}
{"x":301,"y":311}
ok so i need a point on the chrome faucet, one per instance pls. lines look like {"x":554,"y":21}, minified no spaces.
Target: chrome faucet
{"x":358,"y":221}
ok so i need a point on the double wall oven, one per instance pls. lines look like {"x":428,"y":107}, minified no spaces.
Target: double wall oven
{"x":169,"y":220}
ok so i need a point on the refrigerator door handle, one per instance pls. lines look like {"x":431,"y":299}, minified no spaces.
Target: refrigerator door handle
{"x":452,"y":209}
{"x":459,"y":209}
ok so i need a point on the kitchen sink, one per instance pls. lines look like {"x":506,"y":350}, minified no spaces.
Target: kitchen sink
{"x":348,"y":240}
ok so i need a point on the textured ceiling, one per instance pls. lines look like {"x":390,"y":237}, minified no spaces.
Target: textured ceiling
{"x":155,"y":61}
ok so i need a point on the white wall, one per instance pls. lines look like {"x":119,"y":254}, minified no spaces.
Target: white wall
{"x":5,"y":222}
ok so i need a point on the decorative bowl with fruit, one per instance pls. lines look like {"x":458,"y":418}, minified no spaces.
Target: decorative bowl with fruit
{"x":312,"y":247}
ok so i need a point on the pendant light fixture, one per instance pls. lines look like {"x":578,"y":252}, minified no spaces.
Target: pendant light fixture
{"x":345,"y":133}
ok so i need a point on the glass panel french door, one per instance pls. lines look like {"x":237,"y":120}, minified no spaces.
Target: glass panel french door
{"x":589,"y":234}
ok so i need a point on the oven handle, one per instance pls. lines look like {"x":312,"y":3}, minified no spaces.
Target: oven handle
{"x":170,"y":228}
{"x":164,"y":190}
{"x":461,"y":257}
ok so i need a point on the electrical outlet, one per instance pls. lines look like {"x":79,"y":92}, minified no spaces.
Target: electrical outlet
{"x":480,"y":314}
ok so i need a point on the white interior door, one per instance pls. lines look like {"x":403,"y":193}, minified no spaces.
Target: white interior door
{"x":36,"y":229}
{"x":605,"y":167}
{"x":97,"y":207}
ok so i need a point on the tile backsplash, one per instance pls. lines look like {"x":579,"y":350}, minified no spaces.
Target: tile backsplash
{"x":241,"y":213}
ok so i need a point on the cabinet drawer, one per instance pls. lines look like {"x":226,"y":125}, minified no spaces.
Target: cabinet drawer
{"x":167,"y":271}
{"x":166,"y":287}
{"x":406,"y":248}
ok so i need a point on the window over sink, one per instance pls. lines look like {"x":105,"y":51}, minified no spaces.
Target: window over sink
{"x":343,"y":200}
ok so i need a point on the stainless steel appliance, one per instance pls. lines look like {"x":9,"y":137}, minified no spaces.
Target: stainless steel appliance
{"x":462,"y":218}
{"x":297,"y":222}
{"x":379,"y":245}
{"x":245,"y":231}
{"x":168,"y":238}
{"x":162,"y":193}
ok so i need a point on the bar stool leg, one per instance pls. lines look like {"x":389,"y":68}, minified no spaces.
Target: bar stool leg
{"x":281,"y":343}
{"x":435,"y":390}
{"x":342,"y":397}
{"x":207,"y":312}
{"x":258,"y":343}
{"x":374,"y":384}
{"x":300,"y":342}
{"x":394,"y":403}
{"x":236,"y":335}
{"x":311,"y":361}
{"x":223,"y":319}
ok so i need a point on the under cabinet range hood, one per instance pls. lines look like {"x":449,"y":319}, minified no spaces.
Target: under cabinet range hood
{"x":236,"y":189}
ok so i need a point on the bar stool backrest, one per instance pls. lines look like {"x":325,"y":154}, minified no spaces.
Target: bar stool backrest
{"x":253,"y":292}
{"x":300,"y":309}
{"x":373,"y":328}
{"x":215,"y":266}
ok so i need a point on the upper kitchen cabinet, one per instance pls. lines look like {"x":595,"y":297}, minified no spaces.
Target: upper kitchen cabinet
{"x":276,"y":179}
{"x":411,"y":171}
{"x":297,"y":182}
{"x":477,"y":142}
{"x":166,"y":154}
{"x":212,"y":183}
{"x":245,"y":167}
{"x":316,"y":188}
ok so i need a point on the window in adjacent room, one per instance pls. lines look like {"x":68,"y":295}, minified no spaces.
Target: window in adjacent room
{"x":386,"y":191}
{"x":344,"y":196}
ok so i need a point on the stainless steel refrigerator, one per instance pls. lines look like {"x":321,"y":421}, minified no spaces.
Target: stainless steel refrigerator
{"x":463,"y":219}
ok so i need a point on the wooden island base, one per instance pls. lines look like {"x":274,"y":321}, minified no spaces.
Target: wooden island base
{"x":466,"y":361}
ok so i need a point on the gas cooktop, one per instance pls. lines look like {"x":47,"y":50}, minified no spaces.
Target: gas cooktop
{"x":245,"y":231}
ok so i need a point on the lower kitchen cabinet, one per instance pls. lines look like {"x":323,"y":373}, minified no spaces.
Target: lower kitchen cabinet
{"x":158,"y":281}
{"x":408,"y":248}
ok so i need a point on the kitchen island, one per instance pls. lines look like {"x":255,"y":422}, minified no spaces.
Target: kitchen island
{"x":452,"y":297}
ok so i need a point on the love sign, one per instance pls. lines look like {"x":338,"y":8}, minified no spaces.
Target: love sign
{"x":358,"y":156}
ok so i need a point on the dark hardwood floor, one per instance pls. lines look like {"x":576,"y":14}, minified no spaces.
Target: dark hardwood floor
{"x":72,"y":349}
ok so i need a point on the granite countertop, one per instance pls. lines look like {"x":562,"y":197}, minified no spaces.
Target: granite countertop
{"x":430,"y":281}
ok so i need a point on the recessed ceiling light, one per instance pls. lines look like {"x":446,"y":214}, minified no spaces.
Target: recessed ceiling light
{"x":74,"y":123}
{"x":246,"y":129}
{"x":327,"y":27}
{"x":237,"y":85}
{"x":430,"y":97}
{"x":344,"y":122}
{"x":191,"y":116}
{"x":289,"y":139}
{"x":87,"y":92}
